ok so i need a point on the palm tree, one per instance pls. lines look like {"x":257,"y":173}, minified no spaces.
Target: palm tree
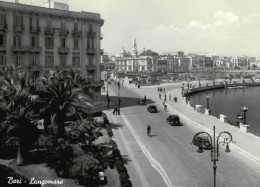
{"x":17,"y":102}
{"x":60,"y":99}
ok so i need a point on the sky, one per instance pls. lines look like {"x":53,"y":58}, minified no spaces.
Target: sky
{"x":221,"y":27}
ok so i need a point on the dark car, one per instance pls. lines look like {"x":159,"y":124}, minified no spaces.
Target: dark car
{"x":173,"y":120}
{"x":202,"y":141}
{"x":152,"y":109}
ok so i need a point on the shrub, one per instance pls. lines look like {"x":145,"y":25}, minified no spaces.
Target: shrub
{"x":85,"y":169}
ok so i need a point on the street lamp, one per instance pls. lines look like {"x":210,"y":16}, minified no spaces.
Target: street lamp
{"x":119,"y":101}
{"x":205,"y":142}
{"x":208,"y":98}
{"x":244,"y":109}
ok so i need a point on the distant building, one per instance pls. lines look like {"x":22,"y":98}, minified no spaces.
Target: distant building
{"x":132,"y":62}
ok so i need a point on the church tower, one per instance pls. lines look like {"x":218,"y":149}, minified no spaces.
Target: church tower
{"x":134,"y":48}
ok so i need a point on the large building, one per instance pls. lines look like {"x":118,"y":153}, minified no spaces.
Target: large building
{"x":37,"y":39}
{"x":132,"y":62}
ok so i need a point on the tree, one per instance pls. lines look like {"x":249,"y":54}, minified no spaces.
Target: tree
{"x":17,"y":103}
{"x":60,"y":99}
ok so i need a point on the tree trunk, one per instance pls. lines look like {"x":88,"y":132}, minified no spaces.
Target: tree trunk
{"x":19,"y":159}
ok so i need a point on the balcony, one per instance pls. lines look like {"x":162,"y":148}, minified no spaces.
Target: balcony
{"x":49,"y":30}
{"x":64,"y":32}
{"x":34,"y":68}
{"x":76,"y":33}
{"x":91,"y":51}
{"x":2,"y":48}
{"x":33,"y":49}
{"x":35,"y":29}
{"x":3,"y":27}
{"x":64,"y":50}
{"x":18,"y":28}
{"x":91,"y":34}
{"x":91,"y":67}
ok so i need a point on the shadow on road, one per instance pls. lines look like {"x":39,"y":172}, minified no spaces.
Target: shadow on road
{"x":116,"y":126}
{"x":126,"y":159}
{"x":125,"y":101}
{"x":153,"y":135}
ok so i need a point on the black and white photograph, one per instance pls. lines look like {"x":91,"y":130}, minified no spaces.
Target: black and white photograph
{"x":129,"y":93}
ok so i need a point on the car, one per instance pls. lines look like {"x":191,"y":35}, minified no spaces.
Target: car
{"x":152,"y":109}
{"x":173,"y":120}
{"x":202,"y":141}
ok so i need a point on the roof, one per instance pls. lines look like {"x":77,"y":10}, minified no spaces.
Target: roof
{"x":149,"y":53}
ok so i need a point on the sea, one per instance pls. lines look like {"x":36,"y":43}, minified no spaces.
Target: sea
{"x":230,"y":101}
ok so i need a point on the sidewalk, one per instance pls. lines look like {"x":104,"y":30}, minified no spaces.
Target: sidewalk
{"x":245,"y":143}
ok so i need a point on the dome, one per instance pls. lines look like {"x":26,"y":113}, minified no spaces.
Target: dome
{"x":149,"y":53}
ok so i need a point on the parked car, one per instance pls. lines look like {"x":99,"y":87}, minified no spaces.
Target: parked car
{"x":202,"y":141}
{"x":152,"y":109}
{"x":173,"y":120}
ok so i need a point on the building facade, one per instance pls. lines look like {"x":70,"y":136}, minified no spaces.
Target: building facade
{"x":37,"y":39}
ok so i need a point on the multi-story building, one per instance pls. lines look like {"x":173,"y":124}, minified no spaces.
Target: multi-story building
{"x":37,"y":39}
{"x":132,"y":62}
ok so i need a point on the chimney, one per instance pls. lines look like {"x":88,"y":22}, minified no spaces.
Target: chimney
{"x":16,"y":1}
{"x":49,"y":3}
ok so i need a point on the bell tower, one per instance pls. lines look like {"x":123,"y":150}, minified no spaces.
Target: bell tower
{"x":134,"y":48}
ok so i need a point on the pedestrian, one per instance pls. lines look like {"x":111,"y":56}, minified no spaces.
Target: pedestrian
{"x":119,"y":101}
{"x":108,"y":101}
{"x":175,"y":99}
{"x":164,"y":90}
{"x":107,"y":95}
{"x":149,"y":130}
{"x":159,"y":95}
{"x":165,"y":107}
{"x":170,"y":97}
{"x":144,"y":98}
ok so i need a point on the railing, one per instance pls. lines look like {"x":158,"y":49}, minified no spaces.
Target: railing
{"x":91,"y":51}
{"x":64,"y":32}
{"x":35,"y":29}
{"x":3,"y":26}
{"x":64,"y":50}
{"x":49,"y":30}
{"x":18,"y":28}
{"x":76,"y":32}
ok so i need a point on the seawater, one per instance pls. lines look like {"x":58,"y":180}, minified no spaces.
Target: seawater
{"x":230,"y":101}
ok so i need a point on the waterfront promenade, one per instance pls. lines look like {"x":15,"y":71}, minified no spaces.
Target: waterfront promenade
{"x":244,"y":153}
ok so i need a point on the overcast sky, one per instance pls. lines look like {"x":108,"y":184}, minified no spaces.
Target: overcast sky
{"x":223,"y":27}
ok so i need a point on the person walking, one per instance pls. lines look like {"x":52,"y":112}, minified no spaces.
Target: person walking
{"x":108,"y":101}
{"x":149,"y":130}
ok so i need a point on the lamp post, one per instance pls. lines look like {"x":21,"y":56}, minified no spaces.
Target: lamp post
{"x":119,"y":101}
{"x":244,"y":109}
{"x":208,"y":98}
{"x":107,"y":83}
{"x":206,"y":142}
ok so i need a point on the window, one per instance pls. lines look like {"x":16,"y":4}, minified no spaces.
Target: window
{"x":76,"y":26}
{"x":63,"y":59}
{"x":49,"y":42}
{"x":34,"y":41}
{"x":63,"y":25}
{"x":34,"y":21}
{"x":2,"y":39}
{"x":63,"y":42}
{"x":18,"y":61}
{"x":17,"y":40}
{"x":49,"y":23}
{"x":76,"y":43}
{"x":75,"y":60}
{"x":90,"y":60}
{"x":2,"y":19}
{"x":90,"y":27}
{"x":18,"y":20}
{"x":2,"y":60}
{"x":35,"y":61}
{"x":49,"y":60}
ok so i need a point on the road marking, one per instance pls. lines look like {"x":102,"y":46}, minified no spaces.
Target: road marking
{"x":142,"y":177}
{"x":154,"y":163}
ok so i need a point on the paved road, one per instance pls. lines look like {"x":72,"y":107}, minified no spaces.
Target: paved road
{"x":168,"y":158}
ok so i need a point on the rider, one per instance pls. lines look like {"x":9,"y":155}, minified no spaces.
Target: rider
{"x":149,"y":130}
